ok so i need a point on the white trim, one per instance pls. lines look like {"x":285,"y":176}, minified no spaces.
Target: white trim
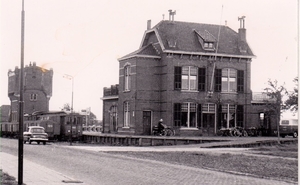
{"x":157,"y":35}
{"x":144,"y":36}
{"x":139,"y":56}
{"x":159,"y":40}
{"x":208,"y":54}
{"x":109,"y":98}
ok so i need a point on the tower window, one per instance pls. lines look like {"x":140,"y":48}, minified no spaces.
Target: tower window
{"x":33,"y":97}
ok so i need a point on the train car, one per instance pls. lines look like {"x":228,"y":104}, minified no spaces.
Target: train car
{"x":59,"y":125}
{"x":9,"y":129}
{"x":72,"y":127}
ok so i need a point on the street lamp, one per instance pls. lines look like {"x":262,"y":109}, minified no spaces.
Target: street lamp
{"x":21,"y":102}
{"x":69,"y":77}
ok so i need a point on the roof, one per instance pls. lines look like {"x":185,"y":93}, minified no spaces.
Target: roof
{"x":36,"y":127}
{"x":185,"y":37}
{"x":150,"y":50}
{"x":48,"y":112}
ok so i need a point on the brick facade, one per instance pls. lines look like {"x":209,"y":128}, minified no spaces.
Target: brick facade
{"x":178,"y":75}
{"x":37,"y":89}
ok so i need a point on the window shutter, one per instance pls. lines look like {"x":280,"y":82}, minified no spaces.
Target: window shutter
{"x":177,"y":114}
{"x":201,"y":79}
{"x":218,"y":78}
{"x":240,"y":115}
{"x":240,"y":81}
{"x":199,"y":115}
{"x":177,"y":78}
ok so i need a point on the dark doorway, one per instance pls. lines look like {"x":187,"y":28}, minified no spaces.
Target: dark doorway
{"x":113,"y":119}
{"x":208,"y":124}
{"x":147,"y":122}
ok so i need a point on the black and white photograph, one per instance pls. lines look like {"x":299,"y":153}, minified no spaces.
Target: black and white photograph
{"x":109,"y":92}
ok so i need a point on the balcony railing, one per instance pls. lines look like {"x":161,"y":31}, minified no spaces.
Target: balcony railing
{"x":113,"y":90}
{"x":261,"y":97}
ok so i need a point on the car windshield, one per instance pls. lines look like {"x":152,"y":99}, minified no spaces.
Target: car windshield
{"x":37,"y":130}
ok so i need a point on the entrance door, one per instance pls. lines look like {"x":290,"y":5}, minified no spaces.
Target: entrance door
{"x":208,"y":125}
{"x":147,"y":122}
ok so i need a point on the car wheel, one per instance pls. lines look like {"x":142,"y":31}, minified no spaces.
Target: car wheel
{"x":44,"y":143}
{"x":29,"y":142}
{"x":24,"y":141}
{"x":282,"y":135}
{"x":295,"y":135}
{"x":38,"y":142}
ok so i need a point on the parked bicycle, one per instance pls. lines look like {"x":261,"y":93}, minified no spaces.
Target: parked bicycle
{"x":166,"y":131}
{"x":239,"y":132}
{"x":233,"y":131}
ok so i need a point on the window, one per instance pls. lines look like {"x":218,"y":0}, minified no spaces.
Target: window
{"x":228,"y":116}
{"x":209,"y":108}
{"x":127,"y":78}
{"x":33,"y":97}
{"x":126,"y":114}
{"x":185,"y":114}
{"x":208,"y":45}
{"x":189,"y":78}
{"x":228,"y":80}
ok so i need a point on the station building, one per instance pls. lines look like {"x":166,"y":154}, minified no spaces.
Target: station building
{"x":196,"y":77}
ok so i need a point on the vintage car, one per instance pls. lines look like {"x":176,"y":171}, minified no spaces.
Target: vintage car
{"x":288,"y":127}
{"x":36,"y":134}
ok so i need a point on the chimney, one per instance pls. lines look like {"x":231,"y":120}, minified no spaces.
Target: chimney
{"x":171,"y":15}
{"x":148,"y":24}
{"x":242,"y":30}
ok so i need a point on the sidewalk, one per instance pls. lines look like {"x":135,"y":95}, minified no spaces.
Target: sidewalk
{"x":33,"y":174}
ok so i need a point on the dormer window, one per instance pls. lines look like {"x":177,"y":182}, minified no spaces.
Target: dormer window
{"x":209,"y":45}
{"x":206,"y":39}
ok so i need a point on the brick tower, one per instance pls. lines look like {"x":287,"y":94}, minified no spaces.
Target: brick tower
{"x":37,"y":89}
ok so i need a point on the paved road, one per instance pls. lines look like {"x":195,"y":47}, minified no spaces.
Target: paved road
{"x":94,"y":168}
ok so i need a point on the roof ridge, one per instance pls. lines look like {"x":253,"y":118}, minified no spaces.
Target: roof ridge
{"x":190,"y":23}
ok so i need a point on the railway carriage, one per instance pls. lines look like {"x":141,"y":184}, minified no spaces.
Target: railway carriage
{"x":57,"y":125}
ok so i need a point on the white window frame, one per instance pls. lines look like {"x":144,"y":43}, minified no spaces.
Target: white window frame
{"x":126,"y":114}
{"x":187,"y":78}
{"x":189,"y":113}
{"x":127,"y":78}
{"x":229,"y":81}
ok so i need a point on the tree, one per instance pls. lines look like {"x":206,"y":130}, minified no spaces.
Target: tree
{"x":292,"y":101}
{"x":276,"y":92}
{"x":66,"y":107}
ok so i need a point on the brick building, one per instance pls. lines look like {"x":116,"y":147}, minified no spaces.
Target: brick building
{"x":4,"y":113}
{"x":37,"y":89}
{"x":196,"y":77}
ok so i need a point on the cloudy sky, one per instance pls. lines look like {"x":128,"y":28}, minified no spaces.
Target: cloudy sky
{"x":84,"y":39}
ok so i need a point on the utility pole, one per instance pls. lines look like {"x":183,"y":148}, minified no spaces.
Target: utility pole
{"x":21,"y":102}
{"x":69,"y":77}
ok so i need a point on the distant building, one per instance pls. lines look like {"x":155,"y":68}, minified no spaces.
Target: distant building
{"x":37,"y":89}
{"x":196,"y":77}
{"x":5,"y":113}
